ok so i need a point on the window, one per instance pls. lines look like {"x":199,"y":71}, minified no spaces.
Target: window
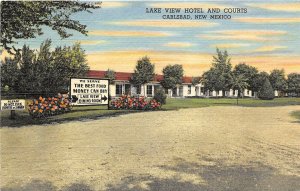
{"x":156,"y":87}
{"x":118,"y":89}
{"x":189,"y":89}
{"x":149,"y":90}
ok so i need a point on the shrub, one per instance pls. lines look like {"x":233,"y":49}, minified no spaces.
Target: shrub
{"x":44,"y":107}
{"x":160,"y":96}
{"x":266,"y":92}
{"x":134,"y":103}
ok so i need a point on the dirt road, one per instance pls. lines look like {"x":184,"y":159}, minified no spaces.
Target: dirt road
{"x":213,"y":148}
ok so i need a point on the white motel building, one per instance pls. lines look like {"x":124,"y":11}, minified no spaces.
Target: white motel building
{"x":122,"y":85}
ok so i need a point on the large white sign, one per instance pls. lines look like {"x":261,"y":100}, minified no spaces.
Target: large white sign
{"x":89,"y":91}
{"x":15,"y":104}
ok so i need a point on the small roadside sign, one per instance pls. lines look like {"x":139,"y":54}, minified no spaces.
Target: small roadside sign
{"x":14,"y":104}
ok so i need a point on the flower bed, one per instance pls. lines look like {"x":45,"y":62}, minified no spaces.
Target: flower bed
{"x":134,"y":103}
{"x":44,"y":107}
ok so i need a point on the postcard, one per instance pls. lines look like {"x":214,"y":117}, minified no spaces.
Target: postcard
{"x":150,"y":95}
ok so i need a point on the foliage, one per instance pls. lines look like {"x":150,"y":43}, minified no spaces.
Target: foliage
{"x":196,"y":80}
{"x":44,"y":107}
{"x":45,"y":71}
{"x":111,"y":75}
{"x":239,"y":82}
{"x":219,"y":76}
{"x":277,"y":80}
{"x":293,"y":83}
{"x":144,"y":71}
{"x":258,"y":80}
{"x":26,"y":19}
{"x":266,"y":91}
{"x":134,"y":103}
{"x":160,"y":96}
{"x":172,"y":76}
{"x":9,"y":74}
{"x":249,"y":73}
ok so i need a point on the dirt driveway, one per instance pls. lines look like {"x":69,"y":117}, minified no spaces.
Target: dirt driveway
{"x":213,"y":148}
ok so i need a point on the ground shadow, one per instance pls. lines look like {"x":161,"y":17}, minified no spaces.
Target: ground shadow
{"x":256,"y":177}
{"x":216,"y":177}
{"x":27,"y":121}
{"x":39,"y":185}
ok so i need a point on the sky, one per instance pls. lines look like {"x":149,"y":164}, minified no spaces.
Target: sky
{"x":120,"y":33}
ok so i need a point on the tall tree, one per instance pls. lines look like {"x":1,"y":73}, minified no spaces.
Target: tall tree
{"x":249,"y":73}
{"x":45,"y":71}
{"x":258,"y":81}
{"x":278,"y":81}
{"x":293,"y":83}
{"x":219,"y":76}
{"x":196,"y":80}
{"x":111,"y":75}
{"x":69,"y":61}
{"x":172,"y":76}
{"x":9,"y":74}
{"x":239,"y":82}
{"x":143,"y":73}
{"x":26,"y":19}
{"x":28,"y":73}
{"x":210,"y":79}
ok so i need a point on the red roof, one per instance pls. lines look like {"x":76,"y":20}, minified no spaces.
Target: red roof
{"x":126,"y":76}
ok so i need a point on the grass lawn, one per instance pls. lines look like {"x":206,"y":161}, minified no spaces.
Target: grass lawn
{"x":93,"y":112}
{"x":249,"y":102}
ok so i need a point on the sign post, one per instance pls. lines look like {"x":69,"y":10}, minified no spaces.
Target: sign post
{"x":13,"y":105}
{"x":89,"y":91}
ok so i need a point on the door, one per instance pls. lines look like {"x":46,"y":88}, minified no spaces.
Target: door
{"x":180,"y":91}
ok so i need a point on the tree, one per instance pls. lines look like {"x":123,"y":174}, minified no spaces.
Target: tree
{"x":28,"y":75}
{"x":239,"y":82}
{"x":160,"y":96}
{"x":293,"y":83}
{"x":258,"y":81}
{"x":219,"y":76}
{"x":278,"y":81}
{"x":172,"y":76}
{"x":9,"y":74}
{"x":196,"y":80}
{"x":45,"y":71}
{"x":111,"y":75}
{"x":249,"y":73}
{"x":26,"y":19}
{"x":266,"y":91}
{"x":143,"y":73}
{"x":210,"y":79}
{"x":68,"y":61}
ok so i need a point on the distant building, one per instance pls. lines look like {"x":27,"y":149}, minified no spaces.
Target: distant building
{"x":122,"y":85}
